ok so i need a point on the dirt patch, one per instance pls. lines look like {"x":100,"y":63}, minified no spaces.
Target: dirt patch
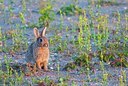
{"x":62,"y":33}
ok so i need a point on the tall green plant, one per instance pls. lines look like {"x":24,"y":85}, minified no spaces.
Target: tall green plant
{"x":47,"y":15}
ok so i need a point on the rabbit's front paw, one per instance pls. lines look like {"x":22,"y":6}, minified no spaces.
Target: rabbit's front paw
{"x":38,"y":65}
{"x":46,"y":66}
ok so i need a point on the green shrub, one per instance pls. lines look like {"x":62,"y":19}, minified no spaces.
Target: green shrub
{"x":70,"y":10}
{"x":47,"y":15}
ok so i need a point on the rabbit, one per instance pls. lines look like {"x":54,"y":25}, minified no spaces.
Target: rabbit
{"x":38,"y":51}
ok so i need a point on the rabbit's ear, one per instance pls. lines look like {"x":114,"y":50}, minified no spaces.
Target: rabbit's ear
{"x":36,"y":32}
{"x":43,"y":31}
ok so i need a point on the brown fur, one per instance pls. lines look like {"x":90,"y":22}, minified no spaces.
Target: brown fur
{"x":38,"y":52}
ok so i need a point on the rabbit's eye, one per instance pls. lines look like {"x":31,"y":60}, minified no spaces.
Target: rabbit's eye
{"x":40,"y":40}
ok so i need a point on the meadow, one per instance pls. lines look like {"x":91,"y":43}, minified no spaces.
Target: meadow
{"x":88,"y":41}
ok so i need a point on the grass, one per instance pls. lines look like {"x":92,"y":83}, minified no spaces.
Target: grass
{"x":108,"y":3}
{"x":94,"y":36}
{"x":70,"y":10}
